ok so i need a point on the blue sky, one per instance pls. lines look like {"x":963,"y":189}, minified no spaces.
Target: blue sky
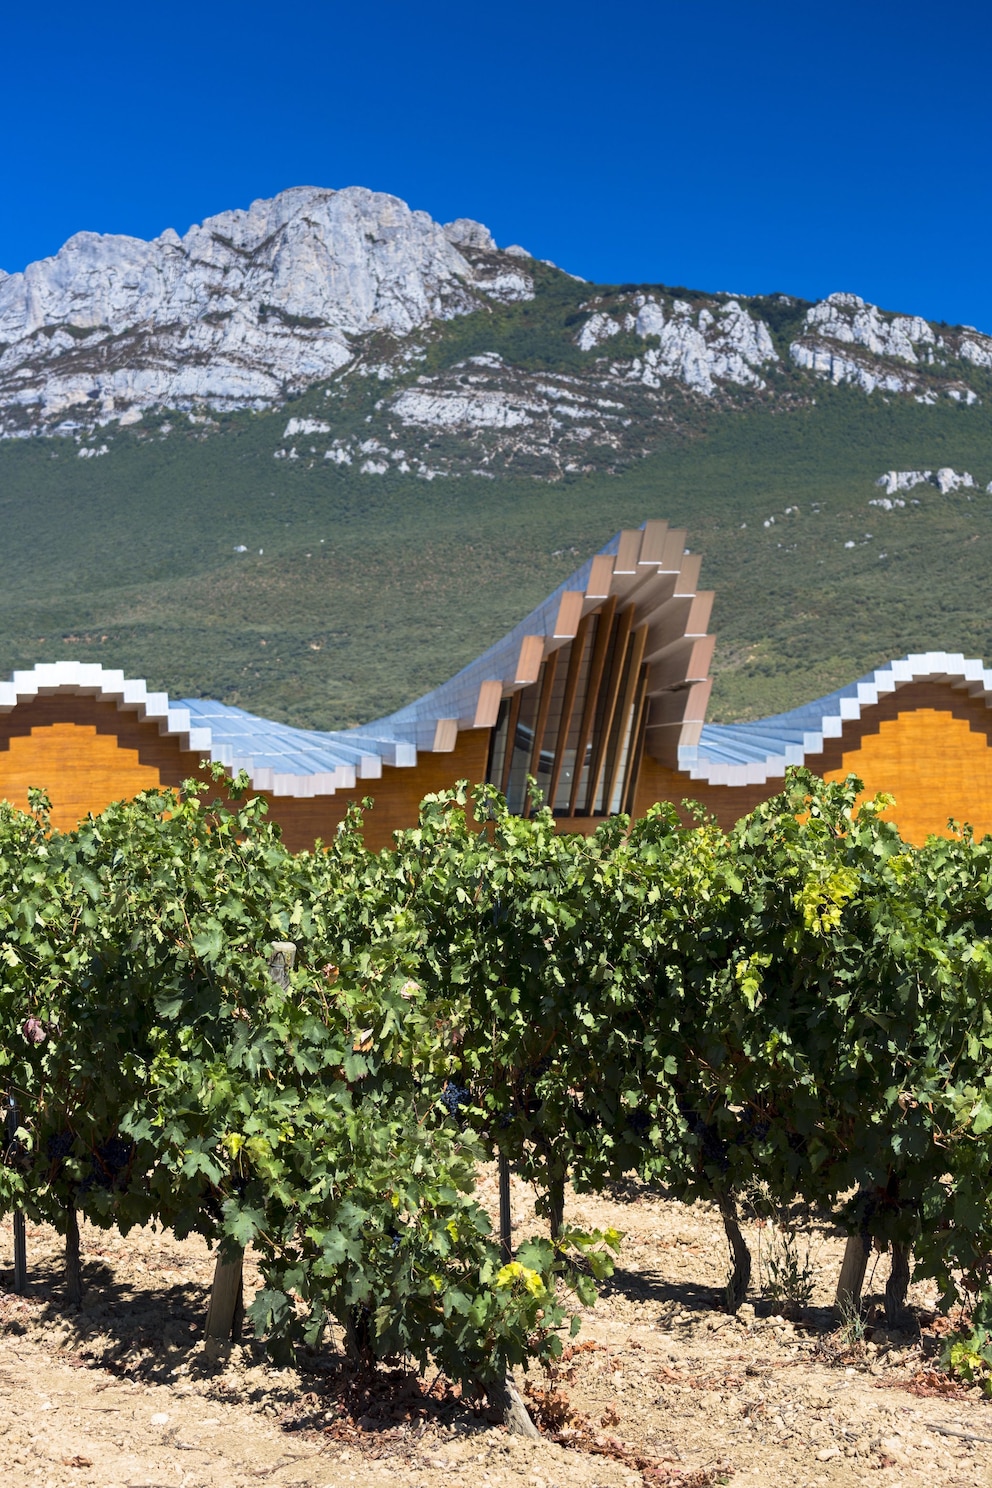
{"x":748,"y":147}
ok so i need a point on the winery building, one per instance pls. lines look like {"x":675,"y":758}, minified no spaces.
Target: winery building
{"x":600,"y":694}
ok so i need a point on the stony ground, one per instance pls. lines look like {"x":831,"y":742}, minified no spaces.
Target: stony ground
{"x":663,"y":1388}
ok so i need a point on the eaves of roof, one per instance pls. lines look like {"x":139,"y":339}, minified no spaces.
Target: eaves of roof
{"x":753,"y":753}
{"x":647,"y":568}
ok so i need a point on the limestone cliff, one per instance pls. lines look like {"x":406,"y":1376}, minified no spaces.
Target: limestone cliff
{"x":243,"y":309}
{"x":354,"y":293}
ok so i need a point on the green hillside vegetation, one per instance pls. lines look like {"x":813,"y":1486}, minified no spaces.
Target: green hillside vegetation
{"x":369,"y":590}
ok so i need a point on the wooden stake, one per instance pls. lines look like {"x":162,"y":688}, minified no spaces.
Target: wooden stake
{"x":20,"y":1240}
{"x":226,"y":1311}
{"x":73,"y":1266}
{"x":505,"y":1218}
{"x":852,"y":1275}
{"x":556,"y":1200}
{"x":20,"y":1255}
{"x":226,"y":1296}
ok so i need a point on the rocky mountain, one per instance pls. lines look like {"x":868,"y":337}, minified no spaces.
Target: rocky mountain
{"x":428,"y":349}
{"x":244,"y":309}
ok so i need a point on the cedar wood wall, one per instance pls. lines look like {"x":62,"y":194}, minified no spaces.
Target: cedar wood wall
{"x":926,"y":744}
{"x":86,"y":753}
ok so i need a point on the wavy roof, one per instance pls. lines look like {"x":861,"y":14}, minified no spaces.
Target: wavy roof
{"x":647,"y":569}
{"x":751,"y":753}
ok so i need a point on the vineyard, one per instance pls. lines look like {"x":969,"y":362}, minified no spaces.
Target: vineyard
{"x":314,"y":1055}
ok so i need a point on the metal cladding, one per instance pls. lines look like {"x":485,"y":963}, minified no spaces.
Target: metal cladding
{"x":752,"y":753}
{"x":644,"y":574}
{"x":613,"y":666}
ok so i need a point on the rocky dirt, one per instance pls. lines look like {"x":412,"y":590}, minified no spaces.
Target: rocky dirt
{"x":664,"y":1387}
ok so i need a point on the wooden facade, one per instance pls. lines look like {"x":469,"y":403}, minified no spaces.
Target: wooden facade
{"x":600,"y":695}
{"x":87,"y":753}
{"x":926,"y":745}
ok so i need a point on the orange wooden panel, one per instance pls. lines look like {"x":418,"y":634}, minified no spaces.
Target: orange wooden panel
{"x":629,"y":551}
{"x":674,"y":549}
{"x":82,"y":770}
{"x":445,"y":735}
{"x":935,"y":765}
{"x":684,"y":660}
{"x":569,"y":614}
{"x":688,"y":579}
{"x":576,"y":651}
{"x":600,"y":577}
{"x":396,"y":796}
{"x":487,"y":704}
{"x":511,"y":735}
{"x":543,"y":709}
{"x":85,"y":753}
{"x":926,"y":745}
{"x":653,"y":544}
{"x":604,"y":631}
{"x":699,"y":613}
{"x":529,"y":660}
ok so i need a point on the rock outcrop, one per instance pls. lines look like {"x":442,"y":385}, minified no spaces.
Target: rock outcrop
{"x":465,"y":233}
{"x":945,"y":479}
{"x":352,"y":289}
{"x":243,"y":309}
{"x":719,"y":343}
{"x":845,"y":339}
{"x":700,"y":348}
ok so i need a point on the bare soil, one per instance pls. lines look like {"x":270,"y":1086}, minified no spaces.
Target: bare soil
{"x":664,"y":1388}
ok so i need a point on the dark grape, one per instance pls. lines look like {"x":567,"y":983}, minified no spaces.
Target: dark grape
{"x":453,"y":1096}
{"x":714,"y":1148}
{"x":109,"y":1166}
{"x":59,"y":1145}
{"x":115,"y":1155}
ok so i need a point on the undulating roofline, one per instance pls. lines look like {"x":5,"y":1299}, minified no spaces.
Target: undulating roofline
{"x":647,"y":574}
{"x":648,"y":571}
{"x":753,"y":753}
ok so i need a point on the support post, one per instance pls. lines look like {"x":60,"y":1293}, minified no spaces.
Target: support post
{"x":20,"y":1255}
{"x":505,"y":1218}
{"x":13,"y":1121}
{"x":556,"y":1200}
{"x":73,"y":1262}
{"x":226,"y":1297}
{"x":852,"y":1275}
{"x":226,"y":1311}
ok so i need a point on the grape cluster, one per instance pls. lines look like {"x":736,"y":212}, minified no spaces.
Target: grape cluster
{"x":713,"y":1147}
{"x":453,"y":1096}
{"x":755,"y":1129}
{"x":115,"y":1155}
{"x":109,"y":1166}
{"x":59,"y":1145}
